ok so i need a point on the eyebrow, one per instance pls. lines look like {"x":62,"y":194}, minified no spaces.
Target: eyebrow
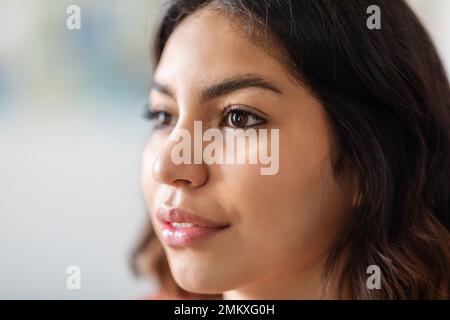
{"x":225,"y":87}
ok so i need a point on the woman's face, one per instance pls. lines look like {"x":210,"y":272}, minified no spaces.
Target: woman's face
{"x":273,"y":227}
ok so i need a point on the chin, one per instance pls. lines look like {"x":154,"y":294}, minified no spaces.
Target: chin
{"x":203,"y":286}
{"x":202,"y":282}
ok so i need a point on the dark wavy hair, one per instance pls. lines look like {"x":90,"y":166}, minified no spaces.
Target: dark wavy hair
{"x":388,"y":100}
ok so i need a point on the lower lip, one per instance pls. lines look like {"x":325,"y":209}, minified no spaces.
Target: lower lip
{"x":184,"y":237}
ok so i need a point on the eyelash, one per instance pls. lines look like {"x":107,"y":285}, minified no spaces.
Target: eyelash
{"x":153,"y":115}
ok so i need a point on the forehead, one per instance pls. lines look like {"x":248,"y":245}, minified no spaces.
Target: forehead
{"x":210,"y":44}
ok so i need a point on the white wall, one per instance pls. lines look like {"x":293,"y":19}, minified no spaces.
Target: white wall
{"x":435,"y":15}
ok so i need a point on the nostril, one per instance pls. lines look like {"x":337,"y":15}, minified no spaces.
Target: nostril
{"x":182,"y":182}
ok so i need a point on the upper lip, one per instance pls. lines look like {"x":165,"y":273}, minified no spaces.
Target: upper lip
{"x":178,"y":215}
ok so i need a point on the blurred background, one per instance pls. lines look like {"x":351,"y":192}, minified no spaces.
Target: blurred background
{"x":71,"y":135}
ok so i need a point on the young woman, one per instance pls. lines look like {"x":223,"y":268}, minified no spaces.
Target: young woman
{"x":364,"y":153}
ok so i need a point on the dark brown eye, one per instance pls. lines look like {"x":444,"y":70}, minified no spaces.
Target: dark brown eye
{"x":241,"y":119}
{"x":164,"y":118}
{"x":160,"y":118}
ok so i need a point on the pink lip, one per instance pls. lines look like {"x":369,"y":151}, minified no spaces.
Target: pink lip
{"x":178,"y":237}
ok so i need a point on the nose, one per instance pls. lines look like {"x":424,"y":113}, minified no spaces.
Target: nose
{"x":166,"y":171}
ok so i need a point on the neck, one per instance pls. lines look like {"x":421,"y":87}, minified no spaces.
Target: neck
{"x":305,"y":284}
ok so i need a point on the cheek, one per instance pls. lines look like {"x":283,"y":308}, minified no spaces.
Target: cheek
{"x":285,"y":212}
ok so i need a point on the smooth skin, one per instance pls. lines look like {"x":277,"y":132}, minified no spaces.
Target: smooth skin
{"x":281,"y":226}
